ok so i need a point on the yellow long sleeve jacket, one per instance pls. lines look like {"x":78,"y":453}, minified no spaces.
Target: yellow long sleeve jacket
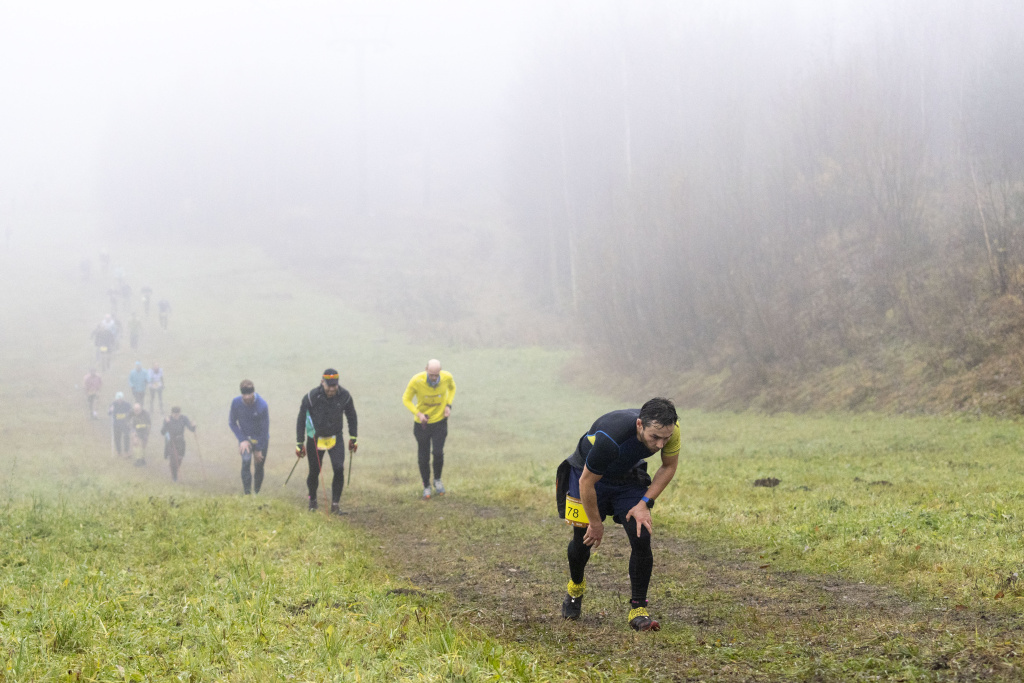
{"x":420,"y":397}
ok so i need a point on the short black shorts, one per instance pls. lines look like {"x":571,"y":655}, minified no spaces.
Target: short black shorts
{"x":613,"y":498}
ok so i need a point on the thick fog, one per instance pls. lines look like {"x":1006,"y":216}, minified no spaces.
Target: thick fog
{"x":220,"y":111}
{"x":225,"y":112}
{"x":792,"y":161}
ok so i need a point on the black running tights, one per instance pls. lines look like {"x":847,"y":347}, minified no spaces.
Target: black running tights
{"x":641,"y":559}
{"x":316,"y":458}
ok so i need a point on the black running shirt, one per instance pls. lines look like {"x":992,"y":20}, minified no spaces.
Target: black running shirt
{"x":611,"y":447}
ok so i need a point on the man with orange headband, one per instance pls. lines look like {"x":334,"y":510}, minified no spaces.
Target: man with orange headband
{"x":319,"y":430}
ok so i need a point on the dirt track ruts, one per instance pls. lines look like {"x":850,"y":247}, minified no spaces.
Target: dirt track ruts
{"x":505,"y":571}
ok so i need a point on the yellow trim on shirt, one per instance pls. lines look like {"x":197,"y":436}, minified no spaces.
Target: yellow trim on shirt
{"x":671,"y":448}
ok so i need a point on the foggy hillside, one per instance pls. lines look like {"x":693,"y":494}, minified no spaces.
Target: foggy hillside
{"x":786,"y":204}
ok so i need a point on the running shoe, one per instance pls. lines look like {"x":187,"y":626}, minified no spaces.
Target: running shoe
{"x":426,"y":493}
{"x":640,"y":620}
{"x":439,"y":487}
{"x":572,"y":607}
{"x":335,"y":510}
{"x":312,"y":504}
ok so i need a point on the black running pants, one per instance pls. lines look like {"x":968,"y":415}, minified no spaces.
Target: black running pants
{"x":316,"y":458}
{"x":426,"y":435}
{"x":257,"y":466}
{"x":641,"y":559}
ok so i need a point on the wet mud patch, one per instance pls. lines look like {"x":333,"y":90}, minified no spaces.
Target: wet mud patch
{"x":725,"y":614}
{"x":408,"y":592}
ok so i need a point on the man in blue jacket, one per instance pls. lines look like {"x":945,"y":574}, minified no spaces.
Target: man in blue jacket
{"x":250,"y":421}
{"x":138,"y":378}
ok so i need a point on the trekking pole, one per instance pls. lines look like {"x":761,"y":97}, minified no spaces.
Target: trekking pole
{"x":291,"y":473}
{"x":351,"y":457}
{"x":348,"y":479}
{"x":199,"y":454}
{"x":320,"y":464}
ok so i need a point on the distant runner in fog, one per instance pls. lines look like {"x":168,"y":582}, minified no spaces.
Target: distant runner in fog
{"x":164,"y":308}
{"x":120,"y":424}
{"x":92,"y":383}
{"x":607,"y":475}
{"x":319,"y":428}
{"x":134,"y":330}
{"x":156,"y":387}
{"x":141,"y":424}
{"x":103,"y":338}
{"x":173,"y":430}
{"x":429,"y":397}
{"x":109,"y":324}
{"x":138,"y":378}
{"x":147,"y":294}
{"x":249,"y":419}
{"x":113,"y":294}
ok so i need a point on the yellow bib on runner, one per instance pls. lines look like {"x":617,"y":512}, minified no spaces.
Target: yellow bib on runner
{"x":326,"y":443}
{"x":574,"y":513}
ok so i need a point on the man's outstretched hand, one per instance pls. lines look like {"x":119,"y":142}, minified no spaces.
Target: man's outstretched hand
{"x":642,"y":515}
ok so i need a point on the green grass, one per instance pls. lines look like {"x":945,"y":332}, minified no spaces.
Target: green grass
{"x":111,"y":572}
{"x":931,"y":506}
{"x":114,"y":573}
{"x":217,"y":589}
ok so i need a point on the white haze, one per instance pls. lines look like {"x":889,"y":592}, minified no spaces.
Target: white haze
{"x":94,"y":91}
{"x":520,"y":139}
{"x":203,"y":108}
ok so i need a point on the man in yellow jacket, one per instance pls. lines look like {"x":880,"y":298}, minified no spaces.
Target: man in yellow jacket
{"x":429,"y":398}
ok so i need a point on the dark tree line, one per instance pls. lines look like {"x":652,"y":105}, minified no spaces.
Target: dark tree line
{"x":703,"y":185}
{"x":700,"y":197}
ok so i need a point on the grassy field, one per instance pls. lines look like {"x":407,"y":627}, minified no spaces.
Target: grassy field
{"x":889,"y":549}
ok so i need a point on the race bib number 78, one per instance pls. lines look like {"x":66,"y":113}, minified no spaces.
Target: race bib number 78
{"x":574,"y":513}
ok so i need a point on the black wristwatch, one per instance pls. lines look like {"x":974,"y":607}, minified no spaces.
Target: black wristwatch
{"x":650,"y":503}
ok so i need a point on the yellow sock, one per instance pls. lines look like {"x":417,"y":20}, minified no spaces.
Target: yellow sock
{"x":577,"y":590}
{"x":637,"y":612}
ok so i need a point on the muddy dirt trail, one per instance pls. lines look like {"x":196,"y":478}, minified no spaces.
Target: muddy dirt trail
{"x":724,"y":613}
